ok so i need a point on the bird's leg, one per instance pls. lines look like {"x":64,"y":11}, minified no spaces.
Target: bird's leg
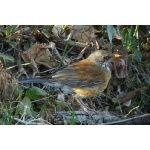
{"x":84,"y":107}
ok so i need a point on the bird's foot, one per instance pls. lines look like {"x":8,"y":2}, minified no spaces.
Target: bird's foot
{"x":88,"y":110}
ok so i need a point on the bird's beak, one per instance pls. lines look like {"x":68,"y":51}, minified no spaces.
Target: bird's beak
{"x":115,"y":56}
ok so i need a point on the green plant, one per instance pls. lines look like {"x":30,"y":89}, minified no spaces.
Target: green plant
{"x":7,"y":115}
{"x":7,"y":57}
{"x":73,"y":118}
{"x":111,"y":30}
{"x":44,"y":106}
{"x":35,"y":92}
{"x":46,"y":30}
{"x":130,"y":41}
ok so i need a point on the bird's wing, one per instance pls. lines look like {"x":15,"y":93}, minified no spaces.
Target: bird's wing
{"x":80,"y":74}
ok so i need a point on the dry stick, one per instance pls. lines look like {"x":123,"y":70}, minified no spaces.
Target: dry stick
{"x":30,"y":122}
{"x":82,"y":52}
{"x":21,"y":70}
{"x":25,"y":122}
{"x":125,"y":120}
{"x":57,"y":53}
{"x":131,"y":110}
{"x":93,"y":38}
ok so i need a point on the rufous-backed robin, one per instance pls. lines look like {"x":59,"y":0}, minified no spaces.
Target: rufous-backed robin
{"x":86,"y":78}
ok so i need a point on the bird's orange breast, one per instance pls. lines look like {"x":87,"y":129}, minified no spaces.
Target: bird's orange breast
{"x":93,"y":74}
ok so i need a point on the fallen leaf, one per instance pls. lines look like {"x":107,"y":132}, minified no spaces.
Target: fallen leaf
{"x":40,"y":54}
{"x":57,"y":30}
{"x":25,"y":107}
{"x":82,"y":33}
{"x":7,"y":86}
{"x":61,"y":96}
{"x":125,"y":97}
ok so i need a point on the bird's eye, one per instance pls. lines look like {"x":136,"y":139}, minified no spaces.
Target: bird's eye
{"x":105,"y":57}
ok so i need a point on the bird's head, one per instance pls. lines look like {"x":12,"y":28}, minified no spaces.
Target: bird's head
{"x":102,"y":57}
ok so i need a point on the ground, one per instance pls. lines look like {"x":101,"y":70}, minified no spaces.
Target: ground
{"x":33,"y":51}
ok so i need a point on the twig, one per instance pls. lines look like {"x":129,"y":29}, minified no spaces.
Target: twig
{"x":82,"y":52}
{"x":83,"y":117}
{"x":53,"y":47}
{"x":31,"y":122}
{"x":131,"y":110}
{"x":24,"y":122}
{"x":125,"y":120}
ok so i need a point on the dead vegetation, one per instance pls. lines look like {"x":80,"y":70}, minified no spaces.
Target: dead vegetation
{"x":39,"y":51}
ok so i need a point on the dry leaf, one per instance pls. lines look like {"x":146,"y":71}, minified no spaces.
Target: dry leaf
{"x":61,"y":96}
{"x":57,"y":29}
{"x":125,"y":97}
{"x":82,"y":33}
{"x":119,"y":66}
{"x":7,"y":86}
{"x":128,"y":103}
{"x":39,"y":54}
{"x":25,"y":107}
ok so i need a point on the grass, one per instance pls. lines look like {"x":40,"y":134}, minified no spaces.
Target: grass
{"x":139,"y":76}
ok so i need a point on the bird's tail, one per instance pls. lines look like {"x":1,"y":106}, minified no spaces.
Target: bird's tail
{"x":51,"y":83}
{"x":33,"y":80}
{"x":41,"y":81}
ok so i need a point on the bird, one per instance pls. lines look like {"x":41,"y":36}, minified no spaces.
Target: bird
{"x":85,"y":78}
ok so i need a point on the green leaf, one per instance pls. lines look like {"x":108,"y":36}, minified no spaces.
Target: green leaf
{"x":136,"y":30}
{"x":46,"y":33}
{"x":128,"y":40}
{"x":14,"y":28}
{"x":11,"y":29}
{"x":8,"y":31}
{"x":111,"y":32}
{"x":25,"y":106}
{"x":138,"y":55}
{"x":124,"y":32}
{"x":35,"y":92}
{"x":1,"y":33}
{"x":124,"y":35}
{"x":134,"y":43}
{"x":34,"y":29}
{"x":7,"y":57}
{"x":73,"y":118}
{"x":129,"y":33}
{"x":8,"y":114}
{"x":11,"y":43}
{"x":58,"y":108}
{"x":44,"y":106}
{"x":48,"y":27}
